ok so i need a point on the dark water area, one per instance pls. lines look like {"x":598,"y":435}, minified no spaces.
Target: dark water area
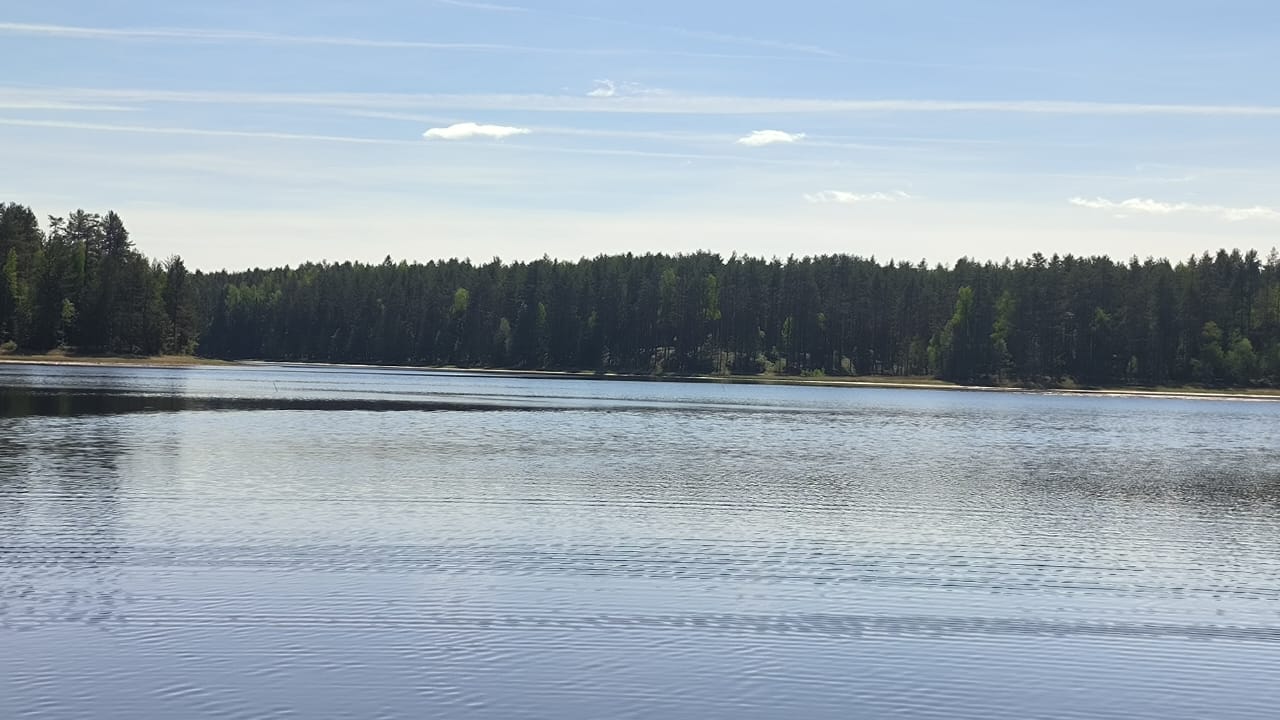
{"x":275,"y":542}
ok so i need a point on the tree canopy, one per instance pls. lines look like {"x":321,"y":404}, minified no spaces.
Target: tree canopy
{"x":1213,"y":318}
{"x":83,"y":285}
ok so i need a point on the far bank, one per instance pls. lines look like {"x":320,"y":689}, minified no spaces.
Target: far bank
{"x":865,"y":381}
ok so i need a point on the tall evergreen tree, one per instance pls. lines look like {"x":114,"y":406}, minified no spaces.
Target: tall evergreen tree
{"x":1212,"y":318}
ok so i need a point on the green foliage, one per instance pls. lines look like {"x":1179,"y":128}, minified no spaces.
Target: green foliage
{"x":178,"y":296}
{"x":711,"y":299}
{"x":20,"y":232}
{"x":82,"y":285}
{"x":501,"y":352}
{"x":10,"y":297}
{"x":1210,"y":363}
{"x":461,"y":302}
{"x":1241,"y":361}
{"x":66,"y":321}
{"x":1001,"y":332}
{"x":1048,"y":319}
{"x":1214,"y":318}
{"x":955,"y":353}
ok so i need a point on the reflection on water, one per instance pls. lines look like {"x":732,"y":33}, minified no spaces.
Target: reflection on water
{"x":275,"y":542}
{"x":65,"y":403}
{"x":59,"y":529}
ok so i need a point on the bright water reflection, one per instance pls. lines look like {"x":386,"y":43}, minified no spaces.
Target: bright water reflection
{"x":303,"y":542}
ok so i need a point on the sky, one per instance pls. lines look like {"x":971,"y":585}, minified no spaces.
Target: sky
{"x":272,"y":132}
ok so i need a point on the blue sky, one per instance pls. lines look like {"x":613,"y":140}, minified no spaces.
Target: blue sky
{"x":272,"y":132}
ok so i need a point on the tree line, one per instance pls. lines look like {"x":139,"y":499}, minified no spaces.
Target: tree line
{"x":83,"y":285}
{"x":1212,"y":319}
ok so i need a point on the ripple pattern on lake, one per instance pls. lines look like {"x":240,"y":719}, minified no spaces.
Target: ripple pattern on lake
{"x":282,"y":542}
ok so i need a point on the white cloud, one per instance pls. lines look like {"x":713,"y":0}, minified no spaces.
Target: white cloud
{"x":851,"y":198}
{"x":649,"y":102}
{"x":611,"y":89}
{"x":453,"y":132}
{"x":1148,"y":206}
{"x":604,"y":89}
{"x":769,"y":137}
{"x":666,"y":136}
{"x":469,"y":130}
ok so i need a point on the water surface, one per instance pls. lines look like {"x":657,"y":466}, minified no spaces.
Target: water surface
{"x":271,"y":541}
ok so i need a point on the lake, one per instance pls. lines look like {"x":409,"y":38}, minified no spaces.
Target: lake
{"x":278,"y":541}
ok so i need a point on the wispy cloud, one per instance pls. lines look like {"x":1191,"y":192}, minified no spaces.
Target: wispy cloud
{"x":56,"y":105}
{"x":758,"y":42}
{"x":712,"y":36}
{"x":242,"y":36}
{"x":489,"y":7}
{"x":841,"y":197}
{"x":660,"y":136}
{"x":606,"y":88}
{"x":643,"y":103}
{"x":769,"y":137}
{"x":589,"y":132}
{"x":1147,"y":206}
{"x":455,"y":132}
{"x":470,"y":130}
{"x":201,"y":132}
{"x":210,"y":35}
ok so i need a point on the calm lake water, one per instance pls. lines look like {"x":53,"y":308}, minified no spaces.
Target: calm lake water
{"x":271,"y":541}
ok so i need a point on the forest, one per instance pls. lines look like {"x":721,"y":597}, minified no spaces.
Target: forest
{"x":79,"y":283}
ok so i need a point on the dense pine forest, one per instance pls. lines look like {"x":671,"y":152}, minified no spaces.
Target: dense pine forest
{"x":1212,"y":319}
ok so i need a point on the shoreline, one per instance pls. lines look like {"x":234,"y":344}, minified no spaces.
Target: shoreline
{"x":135,"y":361}
{"x":862,"y":382}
